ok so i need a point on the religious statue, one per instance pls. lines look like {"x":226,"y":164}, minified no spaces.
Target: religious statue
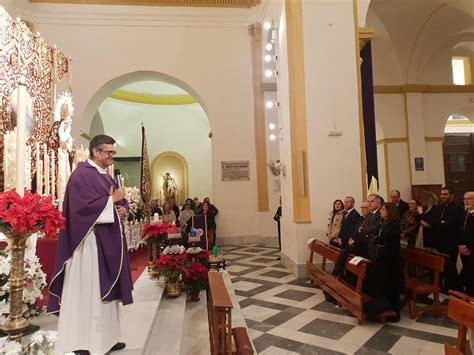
{"x":63,"y":118}
{"x":169,"y":187}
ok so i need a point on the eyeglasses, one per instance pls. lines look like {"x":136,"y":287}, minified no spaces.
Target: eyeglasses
{"x":110,"y":153}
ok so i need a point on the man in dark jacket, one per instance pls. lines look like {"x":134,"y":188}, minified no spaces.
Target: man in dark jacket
{"x":466,"y":245}
{"x":402,"y":205}
{"x":452,"y":218}
{"x":371,"y":223}
{"x":350,"y":221}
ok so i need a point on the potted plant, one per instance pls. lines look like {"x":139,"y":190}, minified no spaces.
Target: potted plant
{"x":172,"y":263}
{"x":154,"y":234}
{"x":195,"y":280}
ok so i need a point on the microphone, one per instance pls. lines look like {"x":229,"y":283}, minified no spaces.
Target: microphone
{"x":118,"y":177}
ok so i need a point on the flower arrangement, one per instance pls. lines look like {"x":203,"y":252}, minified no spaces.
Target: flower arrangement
{"x":155,"y":232}
{"x":28,"y":214}
{"x":198,"y":255}
{"x":35,"y":281}
{"x":172,"y":263}
{"x":132,"y":195}
{"x":41,"y":342}
{"x":195,"y":278}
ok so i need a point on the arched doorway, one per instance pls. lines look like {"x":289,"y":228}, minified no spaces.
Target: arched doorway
{"x":458,"y":154}
{"x":176,"y":124}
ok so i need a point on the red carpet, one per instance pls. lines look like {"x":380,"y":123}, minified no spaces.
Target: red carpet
{"x":46,"y":251}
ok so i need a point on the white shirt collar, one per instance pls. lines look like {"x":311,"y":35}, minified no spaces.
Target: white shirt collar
{"x":101,"y":170}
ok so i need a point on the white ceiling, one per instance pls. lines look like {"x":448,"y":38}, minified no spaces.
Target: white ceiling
{"x":153,"y":87}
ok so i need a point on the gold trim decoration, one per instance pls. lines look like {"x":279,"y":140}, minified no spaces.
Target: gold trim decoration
{"x":184,"y":3}
{"x":149,"y":99}
{"x":363,"y":164}
{"x":459,"y":122}
{"x":392,"y":140}
{"x":424,"y":89}
{"x":297,"y":109}
{"x":407,"y":127}
{"x":434,"y":139}
{"x":255,"y":32}
{"x":365,"y":35}
{"x":387,"y":168}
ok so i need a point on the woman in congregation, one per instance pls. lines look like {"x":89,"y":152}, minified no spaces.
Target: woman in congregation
{"x":410,"y":223}
{"x":211,"y":225}
{"x":168,"y":214}
{"x":387,"y":272}
{"x":335,"y":221}
{"x":430,"y":216}
{"x":186,"y":213}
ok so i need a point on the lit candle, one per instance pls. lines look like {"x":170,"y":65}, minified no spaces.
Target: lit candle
{"x":20,"y":140}
{"x":156,"y":217}
{"x":46,"y":169}
{"x":53,"y":175}
{"x":173,"y":228}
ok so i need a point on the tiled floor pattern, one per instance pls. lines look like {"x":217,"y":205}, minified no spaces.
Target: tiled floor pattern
{"x":289,"y":316}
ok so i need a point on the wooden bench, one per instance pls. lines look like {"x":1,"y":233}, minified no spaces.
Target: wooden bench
{"x":460,"y":309}
{"x":414,"y":286}
{"x":219,"y":311}
{"x":352,"y":298}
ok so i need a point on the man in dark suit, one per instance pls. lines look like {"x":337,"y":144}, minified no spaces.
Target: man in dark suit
{"x":466,"y":245}
{"x":452,"y":219}
{"x":402,"y":205}
{"x":371,"y":224}
{"x":350,"y":222}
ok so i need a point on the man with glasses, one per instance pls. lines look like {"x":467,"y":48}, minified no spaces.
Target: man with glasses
{"x":92,"y":272}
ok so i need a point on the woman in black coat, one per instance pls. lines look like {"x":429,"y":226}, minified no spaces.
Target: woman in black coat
{"x":387,"y":263}
{"x":430,"y":216}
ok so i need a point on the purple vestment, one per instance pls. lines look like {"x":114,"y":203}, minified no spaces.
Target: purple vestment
{"x":86,"y":196}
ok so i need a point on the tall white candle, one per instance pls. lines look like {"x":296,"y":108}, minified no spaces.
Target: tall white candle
{"x":39,"y":189}
{"x":53,"y":175}
{"x":38,"y":171}
{"x":20,"y":140}
{"x":46,"y":169}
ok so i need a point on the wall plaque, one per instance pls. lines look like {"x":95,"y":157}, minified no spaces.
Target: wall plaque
{"x":235,"y":170}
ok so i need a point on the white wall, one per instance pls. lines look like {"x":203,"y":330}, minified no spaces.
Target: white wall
{"x":182,"y":128}
{"x":208,"y":49}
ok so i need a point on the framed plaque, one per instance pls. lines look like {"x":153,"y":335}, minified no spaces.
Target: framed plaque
{"x":235,"y":170}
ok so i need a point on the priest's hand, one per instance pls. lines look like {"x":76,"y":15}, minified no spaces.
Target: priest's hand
{"x":122,"y":212}
{"x":117,"y":194}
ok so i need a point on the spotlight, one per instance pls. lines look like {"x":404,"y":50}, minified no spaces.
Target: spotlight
{"x":268,"y":73}
{"x":269,"y":46}
{"x":271,"y":126}
{"x":267,"y":25}
{"x":268,"y":58}
{"x":269,"y":104}
{"x":272,"y":137}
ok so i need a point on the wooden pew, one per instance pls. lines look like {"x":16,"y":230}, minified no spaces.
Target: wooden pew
{"x":219,"y":311}
{"x":351,"y":298}
{"x":415,"y":286}
{"x":460,"y":309}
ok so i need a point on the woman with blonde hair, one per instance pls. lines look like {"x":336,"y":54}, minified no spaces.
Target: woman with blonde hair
{"x":430,"y":219}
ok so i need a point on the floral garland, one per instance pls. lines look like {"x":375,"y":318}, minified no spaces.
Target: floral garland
{"x":40,"y":342}
{"x":35,"y":281}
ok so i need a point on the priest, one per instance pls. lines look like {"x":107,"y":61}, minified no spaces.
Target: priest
{"x":92,"y":271}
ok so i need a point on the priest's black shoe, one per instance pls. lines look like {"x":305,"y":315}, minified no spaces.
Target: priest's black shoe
{"x":117,"y":347}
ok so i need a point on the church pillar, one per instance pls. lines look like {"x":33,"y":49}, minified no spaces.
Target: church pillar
{"x":255,"y":32}
{"x":416,"y":136}
{"x":321,"y":119}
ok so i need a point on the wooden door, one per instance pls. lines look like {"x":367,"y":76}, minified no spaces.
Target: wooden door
{"x":458,"y":151}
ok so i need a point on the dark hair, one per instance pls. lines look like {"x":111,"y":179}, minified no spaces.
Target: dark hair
{"x":342,"y":204}
{"x":449,"y":188}
{"x":378,"y":197}
{"x":98,"y":141}
{"x":398,"y":192}
{"x":208,"y":199}
{"x":392,"y":212}
{"x":202,"y":206}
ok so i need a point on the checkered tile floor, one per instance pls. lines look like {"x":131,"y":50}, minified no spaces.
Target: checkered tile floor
{"x":289,"y":316}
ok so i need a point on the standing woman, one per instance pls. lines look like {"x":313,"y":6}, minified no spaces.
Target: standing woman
{"x":430,"y":216}
{"x":211,"y":225}
{"x":410,"y":223}
{"x":335,"y":221}
{"x":387,"y":263}
{"x":168,"y":214}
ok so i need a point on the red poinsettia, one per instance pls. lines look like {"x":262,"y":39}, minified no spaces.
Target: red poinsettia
{"x":172,"y":266}
{"x":157,"y":232}
{"x":195,"y":278}
{"x":28,"y":214}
